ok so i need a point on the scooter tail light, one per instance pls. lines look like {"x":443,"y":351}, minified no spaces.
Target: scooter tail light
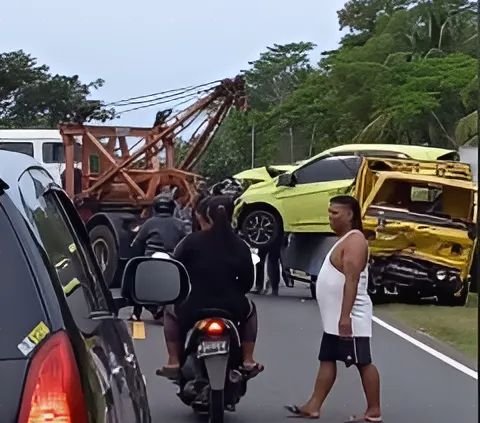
{"x":214,"y":327}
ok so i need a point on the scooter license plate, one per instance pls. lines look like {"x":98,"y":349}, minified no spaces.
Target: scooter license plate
{"x":207,"y":348}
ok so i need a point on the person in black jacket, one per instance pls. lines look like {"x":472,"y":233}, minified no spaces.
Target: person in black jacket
{"x":221,"y":274}
{"x":160,"y":233}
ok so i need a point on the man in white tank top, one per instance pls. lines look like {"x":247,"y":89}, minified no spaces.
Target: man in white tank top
{"x":346,"y":311}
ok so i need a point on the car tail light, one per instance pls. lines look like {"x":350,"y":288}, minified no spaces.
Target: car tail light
{"x":214,"y":327}
{"x":53,"y":391}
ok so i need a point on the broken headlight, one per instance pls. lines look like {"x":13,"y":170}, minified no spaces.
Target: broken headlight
{"x":441,"y":275}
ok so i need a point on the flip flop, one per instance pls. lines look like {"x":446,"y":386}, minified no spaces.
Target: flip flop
{"x":171,"y":373}
{"x":365,"y":419}
{"x":299,"y":414}
{"x":252,"y":371}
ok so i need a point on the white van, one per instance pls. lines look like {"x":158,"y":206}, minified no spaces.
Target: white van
{"x":44,"y":145}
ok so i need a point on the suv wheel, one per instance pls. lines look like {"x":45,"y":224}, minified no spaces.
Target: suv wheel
{"x":261,"y":228}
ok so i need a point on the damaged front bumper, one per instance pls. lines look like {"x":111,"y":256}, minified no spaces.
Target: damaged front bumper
{"x":394,"y":275}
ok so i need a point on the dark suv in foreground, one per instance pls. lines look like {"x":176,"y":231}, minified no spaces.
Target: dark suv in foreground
{"x":64,"y":354}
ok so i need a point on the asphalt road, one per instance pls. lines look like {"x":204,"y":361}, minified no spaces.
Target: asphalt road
{"x":416,"y":387}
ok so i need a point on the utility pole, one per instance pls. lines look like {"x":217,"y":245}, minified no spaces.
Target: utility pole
{"x":312,"y":140}
{"x":291,"y":144}
{"x":253,"y":146}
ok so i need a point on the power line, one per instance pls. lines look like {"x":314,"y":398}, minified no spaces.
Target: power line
{"x":188,"y":98}
{"x":160,"y":95}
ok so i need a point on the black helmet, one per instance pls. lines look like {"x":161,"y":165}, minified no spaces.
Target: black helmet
{"x":163,"y":204}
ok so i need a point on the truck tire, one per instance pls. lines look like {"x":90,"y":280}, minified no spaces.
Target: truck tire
{"x":261,"y":227}
{"x":474,"y":274}
{"x":452,"y":301}
{"x":105,"y":248}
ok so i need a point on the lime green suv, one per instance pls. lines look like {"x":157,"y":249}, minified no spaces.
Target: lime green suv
{"x":297,"y":200}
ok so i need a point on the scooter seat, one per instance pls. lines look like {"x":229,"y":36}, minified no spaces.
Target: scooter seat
{"x":213,"y":312}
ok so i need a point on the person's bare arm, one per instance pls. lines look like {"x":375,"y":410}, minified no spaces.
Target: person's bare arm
{"x":354,"y":258}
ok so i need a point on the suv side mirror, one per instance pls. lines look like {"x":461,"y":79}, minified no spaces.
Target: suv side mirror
{"x":155,"y":281}
{"x":286,"y":180}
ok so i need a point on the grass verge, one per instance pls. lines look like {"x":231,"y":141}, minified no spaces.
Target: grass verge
{"x":456,"y":326}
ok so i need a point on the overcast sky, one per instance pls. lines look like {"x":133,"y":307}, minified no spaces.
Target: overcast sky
{"x":145,"y":46}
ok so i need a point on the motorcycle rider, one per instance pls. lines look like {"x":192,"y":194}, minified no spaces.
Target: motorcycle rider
{"x":221,"y":274}
{"x":160,"y":233}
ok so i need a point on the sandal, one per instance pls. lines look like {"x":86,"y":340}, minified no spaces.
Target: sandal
{"x":252,"y":371}
{"x":300,"y":414}
{"x":365,"y":419}
{"x":171,"y":373}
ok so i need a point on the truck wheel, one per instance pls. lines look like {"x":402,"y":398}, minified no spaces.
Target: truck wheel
{"x":105,"y":249}
{"x":452,"y":301}
{"x":376,"y":293}
{"x":261,"y":228}
{"x":474,"y":274}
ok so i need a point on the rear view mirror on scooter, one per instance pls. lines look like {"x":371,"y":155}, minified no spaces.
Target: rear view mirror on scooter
{"x":155,"y":281}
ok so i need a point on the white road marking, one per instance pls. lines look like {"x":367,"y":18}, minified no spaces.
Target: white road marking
{"x":447,"y":360}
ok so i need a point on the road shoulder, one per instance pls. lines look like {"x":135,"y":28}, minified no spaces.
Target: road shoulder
{"x":432,"y":342}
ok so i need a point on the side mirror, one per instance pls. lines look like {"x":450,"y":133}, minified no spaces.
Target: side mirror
{"x":155,"y":281}
{"x":286,"y":180}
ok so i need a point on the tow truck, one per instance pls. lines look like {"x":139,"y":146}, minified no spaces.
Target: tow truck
{"x":122,"y":169}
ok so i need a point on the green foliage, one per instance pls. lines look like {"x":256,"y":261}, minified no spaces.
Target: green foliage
{"x":230,"y":150}
{"x":405,"y":73}
{"x":31,"y":97}
{"x":277,"y":73}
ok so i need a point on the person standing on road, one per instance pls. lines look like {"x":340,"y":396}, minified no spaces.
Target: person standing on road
{"x":272,"y":257}
{"x":346,"y":311}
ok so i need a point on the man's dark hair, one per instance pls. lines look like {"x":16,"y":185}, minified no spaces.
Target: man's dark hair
{"x":353,"y":204}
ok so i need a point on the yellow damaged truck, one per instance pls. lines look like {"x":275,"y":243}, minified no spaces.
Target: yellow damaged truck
{"x":418,"y":207}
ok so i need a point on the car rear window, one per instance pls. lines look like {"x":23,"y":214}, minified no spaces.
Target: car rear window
{"x":20,"y":307}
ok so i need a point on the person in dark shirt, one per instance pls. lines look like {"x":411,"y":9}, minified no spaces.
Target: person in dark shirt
{"x":221,"y":274}
{"x":160,"y":233}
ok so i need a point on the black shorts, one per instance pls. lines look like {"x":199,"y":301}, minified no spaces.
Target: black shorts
{"x":351,"y":351}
